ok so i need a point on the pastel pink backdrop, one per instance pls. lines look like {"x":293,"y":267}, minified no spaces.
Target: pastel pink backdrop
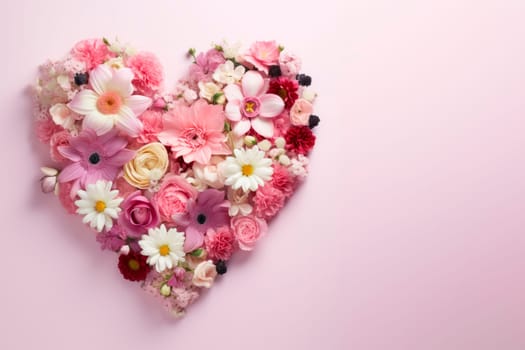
{"x":408,"y":234}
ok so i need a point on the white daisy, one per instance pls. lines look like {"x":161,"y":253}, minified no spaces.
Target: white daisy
{"x":247,"y":170}
{"x":99,"y":205}
{"x":164,"y":248}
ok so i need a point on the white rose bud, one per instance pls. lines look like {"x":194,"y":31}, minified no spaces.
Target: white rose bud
{"x":284,"y":160}
{"x":204,"y":274}
{"x":309,"y":94}
{"x":265,"y":145}
{"x":250,"y":140}
{"x":165,"y":290}
{"x":280,"y":142}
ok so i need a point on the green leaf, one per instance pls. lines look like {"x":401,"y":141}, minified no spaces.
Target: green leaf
{"x":196,"y":252}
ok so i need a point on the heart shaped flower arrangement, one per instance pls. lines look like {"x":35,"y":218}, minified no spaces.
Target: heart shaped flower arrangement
{"x":175,"y":182}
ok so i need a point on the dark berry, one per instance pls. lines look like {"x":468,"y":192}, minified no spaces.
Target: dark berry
{"x":304,"y":80}
{"x":313,"y":121}
{"x":274,"y":71}
{"x":221,"y":267}
{"x":81,"y":78}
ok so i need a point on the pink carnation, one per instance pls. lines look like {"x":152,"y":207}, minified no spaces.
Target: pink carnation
{"x":58,"y":139}
{"x":147,"y":71}
{"x":263,"y":54}
{"x":66,"y":198}
{"x":220,"y":243}
{"x":283,"y":180}
{"x":92,"y":52}
{"x":45,"y":129}
{"x":268,"y":201}
{"x":152,"y":125}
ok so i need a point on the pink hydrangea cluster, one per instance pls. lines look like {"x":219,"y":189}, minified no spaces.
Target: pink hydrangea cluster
{"x":175,"y":182}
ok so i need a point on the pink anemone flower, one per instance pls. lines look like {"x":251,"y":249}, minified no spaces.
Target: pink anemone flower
{"x":251,"y":106}
{"x":111,"y":102}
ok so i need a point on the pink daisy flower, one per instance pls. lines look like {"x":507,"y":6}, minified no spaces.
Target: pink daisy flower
{"x":196,"y":132}
{"x":251,"y":107}
{"x":111,"y":102}
{"x":93,"y":158}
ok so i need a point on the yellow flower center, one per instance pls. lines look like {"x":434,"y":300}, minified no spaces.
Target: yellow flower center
{"x":134,"y":264}
{"x":109,"y":103}
{"x":249,"y":107}
{"x":100,"y":206}
{"x":247,"y":169}
{"x":164,"y":250}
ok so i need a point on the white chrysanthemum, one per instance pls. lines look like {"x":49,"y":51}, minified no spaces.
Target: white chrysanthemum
{"x":164,"y":248}
{"x":99,"y":205}
{"x":247,"y":170}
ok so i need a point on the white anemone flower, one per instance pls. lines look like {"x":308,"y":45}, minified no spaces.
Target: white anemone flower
{"x":111,"y":102}
{"x":164,"y":248}
{"x":248,"y":170}
{"x":99,"y":205}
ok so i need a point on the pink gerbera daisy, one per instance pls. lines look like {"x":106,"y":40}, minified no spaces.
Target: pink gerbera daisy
{"x":196,"y":132}
{"x":94,"y":158}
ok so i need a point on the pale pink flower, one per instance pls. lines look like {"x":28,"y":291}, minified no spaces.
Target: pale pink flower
{"x":205,"y":64}
{"x":268,"y":201}
{"x":251,"y":107}
{"x":196,"y":132}
{"x":152,"y":125}
{"x":300,"y":112}
{"x":59,"y":139}
{"x":111,"y":102}
{"x":45,"y":129}
{"x":248,"y":230}
{"x":92,"y":52}
{"x":290,"y":64}
{"x":147,"y":71}
{"x":263,"y":54}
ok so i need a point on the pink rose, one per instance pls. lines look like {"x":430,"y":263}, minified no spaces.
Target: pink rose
{"x":204,"y":274}
{"x":59,"y":139}
{"x":263,"y":54}
{"x":300,"y":112}
{"x":290,"y":64}
{"x":248,"y":229}
{"x":173,"y":196}
{"x":138,"y":215}
{"x":268,"y":201}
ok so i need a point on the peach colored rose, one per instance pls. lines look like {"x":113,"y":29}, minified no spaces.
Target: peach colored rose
{"x":248,"y":230}
{"x":148,"y":166}
{"x":300,"y":112}
{"x":204,"y":274}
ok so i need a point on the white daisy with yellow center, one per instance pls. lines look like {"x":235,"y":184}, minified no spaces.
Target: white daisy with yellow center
{"x":248,"y":170}
{"x":99,"y":205}
{"x":164,"y":248}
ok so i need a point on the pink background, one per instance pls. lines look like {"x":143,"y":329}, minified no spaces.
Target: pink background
{"x":409,"y":233}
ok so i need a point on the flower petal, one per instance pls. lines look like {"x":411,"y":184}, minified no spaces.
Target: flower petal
{"x":70,"y":153}
{"x":121,"y":82}
{"x":101,"y":124}
{"x":128,"y":122}
{"x":100,"y":77}
{"x":194,"y":239}
{"x":264,"y":127}
{"x":252,"y":84}
{"x":233,"y":92}
{"x":71,"y":172}
{"x":233,"y":111}
{"x":138,"y":104}
{"x":271,"y":105}
{"x":241,"y":127}
{"x":84,"y":102}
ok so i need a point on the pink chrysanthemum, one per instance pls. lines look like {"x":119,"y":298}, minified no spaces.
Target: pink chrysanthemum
{"x":195,"y":133}
{"x":147,"y":71}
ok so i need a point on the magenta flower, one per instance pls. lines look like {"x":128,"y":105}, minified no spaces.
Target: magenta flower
{"x":251,"y":106}
{"x":138,"y":215}
{"x":195,"y":133}
{"x":210,"y":210}
{"x":94,"y":158}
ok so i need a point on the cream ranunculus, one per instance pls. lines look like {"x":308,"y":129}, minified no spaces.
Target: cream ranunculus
{"x":149,"y":165}
{"x":204,"y":274}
